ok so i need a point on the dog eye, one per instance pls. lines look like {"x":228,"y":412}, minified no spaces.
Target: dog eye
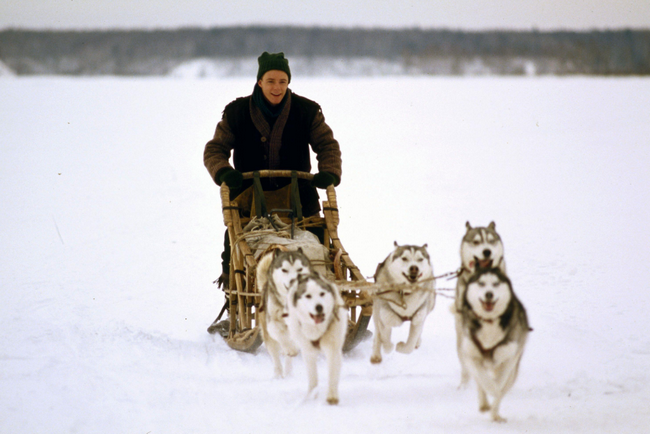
{"x":308,"y":296}
{"x":299,"y":271}
{"x":481,"y":284}
{"x":285,"y":271}
{"x":322,"y":294}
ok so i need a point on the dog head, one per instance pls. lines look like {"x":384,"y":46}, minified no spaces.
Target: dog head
{"x":489,"y":293}
{"x":314,"y":299}
{"x":406,"y":264}
{"x":286,"y":267}
{"x":481,"y":246}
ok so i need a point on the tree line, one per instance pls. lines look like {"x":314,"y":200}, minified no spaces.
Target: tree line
{"x":156,"y":52}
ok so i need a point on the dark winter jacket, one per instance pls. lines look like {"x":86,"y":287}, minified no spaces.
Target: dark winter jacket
{"x":256,"y":146}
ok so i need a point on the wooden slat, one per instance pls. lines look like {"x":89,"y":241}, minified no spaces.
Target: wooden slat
{"x":279,"y":174}
{"x":242,"y":290}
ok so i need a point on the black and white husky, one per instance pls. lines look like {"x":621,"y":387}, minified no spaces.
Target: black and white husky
{"x":276,"y":272}
{"x":410,"y":295}
{"x":494,"y":328}
{"x":480,"y":247}
{"x":318,"y":322}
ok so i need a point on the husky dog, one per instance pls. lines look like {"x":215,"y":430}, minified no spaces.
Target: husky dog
{"x":482,"y":247}
{"x":494,"y":331}
{"x":407,"y":265}
{"x":276,"y":272}
{"x":318,"y":322}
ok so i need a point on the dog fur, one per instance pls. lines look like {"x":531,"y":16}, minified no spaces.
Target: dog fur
{"x":493,"y":335}
{"x":405,"y":265}
{"x":317,"y":322}
{"x":276,"y":272}
{"x":480,"y":246}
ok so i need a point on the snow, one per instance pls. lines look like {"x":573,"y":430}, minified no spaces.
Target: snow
{"x":111,"y":236}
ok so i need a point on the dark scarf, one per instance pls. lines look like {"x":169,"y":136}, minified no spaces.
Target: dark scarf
{"x":270,"y":128}
{"x":269,"y":112}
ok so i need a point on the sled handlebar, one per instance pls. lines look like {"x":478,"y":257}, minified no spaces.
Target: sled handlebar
{"x":279,"y":174}
{"x":225,"y":190}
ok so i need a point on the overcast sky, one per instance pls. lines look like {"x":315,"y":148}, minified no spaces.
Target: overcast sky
{"x":450,"y":14}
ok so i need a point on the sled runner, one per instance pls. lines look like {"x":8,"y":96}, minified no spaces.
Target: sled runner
{"x":250,"y":219}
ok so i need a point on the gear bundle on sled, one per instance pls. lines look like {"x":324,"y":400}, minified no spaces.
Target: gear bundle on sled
{"x":255,"y":226}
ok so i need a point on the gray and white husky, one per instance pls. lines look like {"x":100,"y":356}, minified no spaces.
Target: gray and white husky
{"x":407,"y":267}
{"x":318,"y":320}
{"x":493,"y":335}
{"x":480,"y":247}
{"x":276,"y":272}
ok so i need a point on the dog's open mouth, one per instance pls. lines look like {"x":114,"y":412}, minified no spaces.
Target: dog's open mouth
{"x":482,"y":263}
{"x":488,"y":305}
{"x":412,"y":278}
{"x":318,"y":318}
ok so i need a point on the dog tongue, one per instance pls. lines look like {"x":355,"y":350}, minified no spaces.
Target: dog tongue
{"x":485,"y":263}
{"x":319,"y":318}
{"x":487,"y":305}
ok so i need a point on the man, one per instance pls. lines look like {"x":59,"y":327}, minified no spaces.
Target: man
{"x":273,"y":128}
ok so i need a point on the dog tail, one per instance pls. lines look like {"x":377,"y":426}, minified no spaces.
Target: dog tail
{"x":262,"y":271}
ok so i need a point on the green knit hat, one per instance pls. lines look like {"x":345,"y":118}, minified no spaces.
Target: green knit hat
{"x":271,"y":61}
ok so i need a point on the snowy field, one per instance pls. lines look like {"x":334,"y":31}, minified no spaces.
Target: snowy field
{"x":111,"y":234}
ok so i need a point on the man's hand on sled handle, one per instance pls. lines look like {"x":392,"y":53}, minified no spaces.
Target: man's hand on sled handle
{"x":233,"y":178}
{"x":324,"y":179}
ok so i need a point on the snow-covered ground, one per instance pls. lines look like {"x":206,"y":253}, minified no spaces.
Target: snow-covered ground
{"x":111,"y":234}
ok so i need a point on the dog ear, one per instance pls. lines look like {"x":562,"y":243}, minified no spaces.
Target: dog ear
{"x":468,"y":226}
{"x":300,"y":250}
{"x":425,"y":246}
{"x":492,"y":226}
{"x":294,"y":288}
{"x":379,"y":267}
{"x":395,"y":244}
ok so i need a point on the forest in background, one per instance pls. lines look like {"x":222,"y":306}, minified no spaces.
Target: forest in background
{"x":231,"y":51}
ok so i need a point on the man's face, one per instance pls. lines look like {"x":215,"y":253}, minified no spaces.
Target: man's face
{"x":274,"y":84}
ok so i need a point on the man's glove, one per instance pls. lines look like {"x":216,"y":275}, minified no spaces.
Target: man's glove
{"x":323,"y":179}
{"x":233,"y":178}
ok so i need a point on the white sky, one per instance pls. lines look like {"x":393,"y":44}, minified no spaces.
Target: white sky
{"x":450,"y":14}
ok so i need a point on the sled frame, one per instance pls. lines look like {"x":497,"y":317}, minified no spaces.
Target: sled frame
{"x":243,"y":295}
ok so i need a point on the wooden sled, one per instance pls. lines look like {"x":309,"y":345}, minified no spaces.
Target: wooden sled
{"x":243,"y":296}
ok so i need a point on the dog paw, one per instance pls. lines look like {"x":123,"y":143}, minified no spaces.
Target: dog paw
{"x":375,"y":359}
{"x":290,"y":350}
{"x":312,"y":394}
{"x":464,"y":380}
{"x":498,"y":419}
{"x":402,"y":348}
{"x":332,"y":400}
{"x":484,"y":407}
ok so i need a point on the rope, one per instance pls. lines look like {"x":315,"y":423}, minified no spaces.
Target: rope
{"x":443,"y":292}
{"x":453,"y":274}
{"x":377,"y":290}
